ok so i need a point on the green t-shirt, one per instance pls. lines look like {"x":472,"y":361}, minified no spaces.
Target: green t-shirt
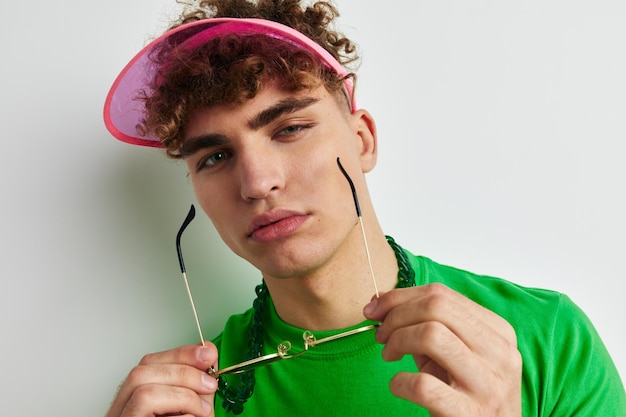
{"x":567,"y":370}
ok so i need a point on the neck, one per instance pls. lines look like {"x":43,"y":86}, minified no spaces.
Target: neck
{"x":235,"y":396}
{"x":334,"y":295}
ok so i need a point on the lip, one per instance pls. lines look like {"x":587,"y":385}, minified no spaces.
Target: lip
{"x":275,"y":224}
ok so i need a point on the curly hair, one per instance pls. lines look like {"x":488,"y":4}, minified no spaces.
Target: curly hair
{"x":230,"y":70}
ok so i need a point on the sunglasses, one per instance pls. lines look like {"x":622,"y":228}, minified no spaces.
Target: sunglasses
{"x":284,"y":348}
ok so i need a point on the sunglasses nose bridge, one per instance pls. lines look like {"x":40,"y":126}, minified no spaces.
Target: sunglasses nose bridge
{"x":282,"y":352}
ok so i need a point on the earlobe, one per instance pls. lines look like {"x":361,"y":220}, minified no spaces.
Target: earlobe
{"x":368,"y":140}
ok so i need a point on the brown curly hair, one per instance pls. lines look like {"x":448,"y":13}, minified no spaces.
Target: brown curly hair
{"x":230,"y":70}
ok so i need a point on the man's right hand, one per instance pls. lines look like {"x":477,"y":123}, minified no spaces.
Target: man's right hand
{"x":169,"y":383}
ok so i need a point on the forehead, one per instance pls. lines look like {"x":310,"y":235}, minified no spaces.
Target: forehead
{"x":272,"y":103}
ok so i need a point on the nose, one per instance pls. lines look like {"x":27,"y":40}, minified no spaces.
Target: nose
{"x":260,"y":174}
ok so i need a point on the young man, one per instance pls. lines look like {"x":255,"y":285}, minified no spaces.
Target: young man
{"x":262,"y":111}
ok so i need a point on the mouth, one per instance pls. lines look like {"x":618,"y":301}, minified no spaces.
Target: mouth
{"x":275,"y":224}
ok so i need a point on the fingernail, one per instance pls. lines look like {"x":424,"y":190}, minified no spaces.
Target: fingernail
{"x":209,"y":382}
{"x":370,"y":308}
{"x":204,"y":354}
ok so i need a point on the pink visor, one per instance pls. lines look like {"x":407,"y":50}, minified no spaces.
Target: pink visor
{"x":123,"y":112}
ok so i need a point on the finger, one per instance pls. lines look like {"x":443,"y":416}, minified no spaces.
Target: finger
{"x":431,"y":393}
{"x":158,"y":400}
{"x":481,"y":329}
{"x":435,"y":297}
{"x":184,"y":376}
{"x":470,"y":353}
{"x":146,"y":380}
{"x":183,"y":367}
{"x":434,"y":341}
{"x":438,"y":351}
{"x":208,"y":402}
{"x":198,"y":356}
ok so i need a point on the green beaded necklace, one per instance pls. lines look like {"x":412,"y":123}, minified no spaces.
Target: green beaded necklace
{"x":234,"y":396}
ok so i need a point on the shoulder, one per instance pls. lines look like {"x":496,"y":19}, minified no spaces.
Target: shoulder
{"x":538,"y":315}
{"x":566,"y":365}
{"x":492,"y":292}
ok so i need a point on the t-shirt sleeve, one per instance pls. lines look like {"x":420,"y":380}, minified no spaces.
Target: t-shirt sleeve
{"x":583,"y":380}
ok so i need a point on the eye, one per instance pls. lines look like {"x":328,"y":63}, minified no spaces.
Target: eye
{"x":291,"y":129}
{"x":294,"y":129}
{"x":213,"y":159}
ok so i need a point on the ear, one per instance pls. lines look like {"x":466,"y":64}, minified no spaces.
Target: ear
{"x":368,"y":140}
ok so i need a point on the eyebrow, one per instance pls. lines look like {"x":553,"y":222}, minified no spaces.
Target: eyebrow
{"x":194,"y":144}
{"x":286,"y":106}
{"x":263,"y":118}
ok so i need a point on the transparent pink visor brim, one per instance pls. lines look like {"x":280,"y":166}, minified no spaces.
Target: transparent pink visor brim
{"x":123,"y":112}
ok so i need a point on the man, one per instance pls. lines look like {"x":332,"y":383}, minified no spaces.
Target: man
{"x":261,"y":109}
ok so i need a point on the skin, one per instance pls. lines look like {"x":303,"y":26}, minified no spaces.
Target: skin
{"x":265,"y":173}
{"x":284,"y":172}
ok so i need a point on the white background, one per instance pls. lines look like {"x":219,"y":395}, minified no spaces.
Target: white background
{"x":501,"y":124}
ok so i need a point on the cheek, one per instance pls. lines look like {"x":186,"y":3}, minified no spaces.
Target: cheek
{"x":219,"y":214}
{"x":210,"y":198}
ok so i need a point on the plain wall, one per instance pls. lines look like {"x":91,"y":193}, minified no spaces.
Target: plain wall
{"x":501,"y":129}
